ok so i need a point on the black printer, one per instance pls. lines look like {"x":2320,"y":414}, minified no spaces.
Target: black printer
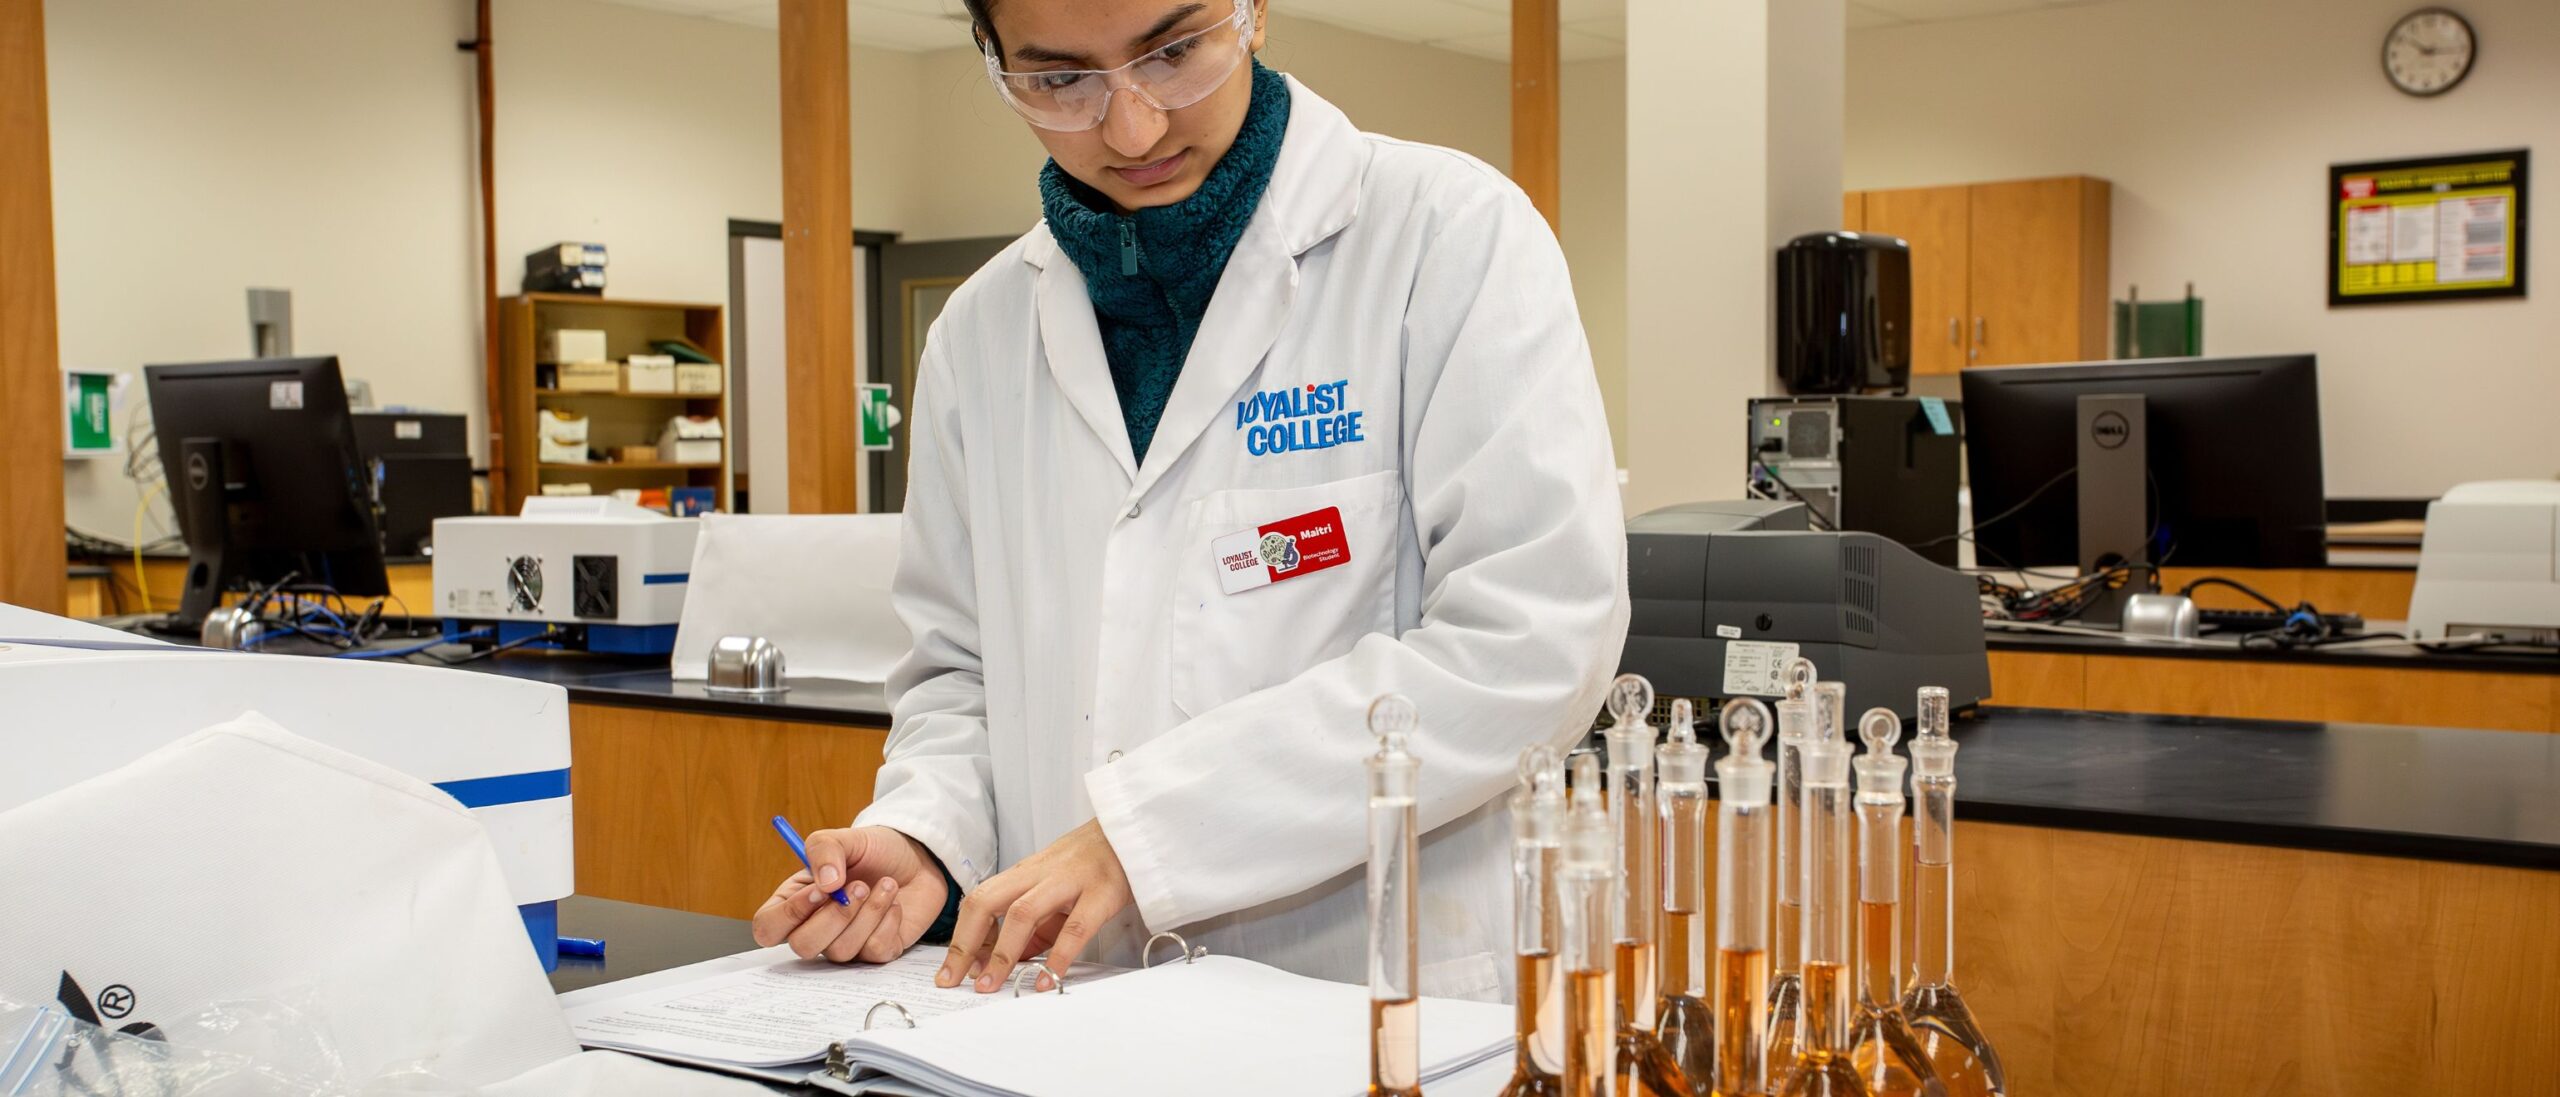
{"x":1721,"y":590}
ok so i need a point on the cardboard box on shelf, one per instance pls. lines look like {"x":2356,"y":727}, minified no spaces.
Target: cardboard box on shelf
{"x":698,"y":378}
{"x":570,"y":345}
{"x":690,"y":440}
{"x":590,"y":377}
{"x":649,"y":373}
{"x":563,"y":438}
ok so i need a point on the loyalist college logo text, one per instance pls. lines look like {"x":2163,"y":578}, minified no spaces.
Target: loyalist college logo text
{"x":1310,"y":416}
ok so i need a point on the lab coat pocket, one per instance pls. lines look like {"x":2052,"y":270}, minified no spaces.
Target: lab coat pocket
{"x":1238,"y":630}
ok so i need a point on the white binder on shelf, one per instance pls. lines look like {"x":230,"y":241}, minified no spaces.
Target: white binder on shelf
{"x":1207,"y":1024}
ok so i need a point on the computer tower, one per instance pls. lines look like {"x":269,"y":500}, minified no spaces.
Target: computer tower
{"x":1844,"y":313}
{"x":1887,"y":465}
{"x":423,"y":466}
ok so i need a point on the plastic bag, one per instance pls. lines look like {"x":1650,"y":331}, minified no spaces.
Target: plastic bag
{"x":256,"y":1048}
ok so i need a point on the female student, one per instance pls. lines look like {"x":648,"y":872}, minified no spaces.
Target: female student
{"x":1268,"y":417}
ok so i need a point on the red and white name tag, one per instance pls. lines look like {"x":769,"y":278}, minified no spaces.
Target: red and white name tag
{"x":1286,"y":549}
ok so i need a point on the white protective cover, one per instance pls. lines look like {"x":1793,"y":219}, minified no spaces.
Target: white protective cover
{"x":245,"y":862}
{"x":75,"y":706}
{"x":817,"y":585}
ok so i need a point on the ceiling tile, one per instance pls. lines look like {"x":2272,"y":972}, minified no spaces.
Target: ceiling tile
{"x":1570,"y":47}
{"x":1862,"y":17}
{"x":754,"y":15}
{"x":681,"y":7}
{"x":1932,"y":10}
{"x":889,"y":28}
{"x":935,"y":9}
{"x":1611,"y":27}
{"x":1405,"y":20}
{"x":1567,"y":11}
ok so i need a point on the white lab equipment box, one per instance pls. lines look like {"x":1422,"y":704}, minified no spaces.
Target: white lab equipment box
{"x":2489,"y":566}
{"x":617,"y":571}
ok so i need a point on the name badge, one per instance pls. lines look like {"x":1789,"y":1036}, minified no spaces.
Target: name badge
{"x":1286,"y":549}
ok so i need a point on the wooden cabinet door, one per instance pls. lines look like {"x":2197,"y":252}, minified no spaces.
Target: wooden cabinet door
{"x":2038,"y":280}
{"x":1853,"y":210}
{"x":1933,"y":221}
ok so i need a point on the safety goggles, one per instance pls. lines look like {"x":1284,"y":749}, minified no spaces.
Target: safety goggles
{"x":1170,"y":77}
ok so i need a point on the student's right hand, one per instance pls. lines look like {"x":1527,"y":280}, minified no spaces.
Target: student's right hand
{"x":895,"y":888}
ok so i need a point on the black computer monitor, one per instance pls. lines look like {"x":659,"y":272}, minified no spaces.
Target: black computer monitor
{"x":263,"y":467}
{"x":2234,"y":459}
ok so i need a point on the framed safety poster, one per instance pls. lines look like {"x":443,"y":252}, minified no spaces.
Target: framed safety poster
{"x":2435,"y":229}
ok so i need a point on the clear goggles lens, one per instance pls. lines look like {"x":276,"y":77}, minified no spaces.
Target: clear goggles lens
{"x":1170,"y":77}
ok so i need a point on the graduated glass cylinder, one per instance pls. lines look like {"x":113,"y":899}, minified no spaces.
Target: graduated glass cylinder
{"x":1536,"y":858}
{"x":1786,"y":972}
{"x":1742,"y":943}
{"x":1822,"y":1067}
{"x":1644,"y":1068}
{"x":1686,"y":1016}
{"x":1395,"y":1051}
{"x":1587,"y":932}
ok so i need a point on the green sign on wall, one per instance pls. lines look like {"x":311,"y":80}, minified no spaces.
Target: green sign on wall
{"x":879,"y":416}
{"x":89,"y":400}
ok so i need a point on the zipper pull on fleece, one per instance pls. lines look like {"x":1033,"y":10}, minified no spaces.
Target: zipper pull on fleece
{"x":1128,"y":247}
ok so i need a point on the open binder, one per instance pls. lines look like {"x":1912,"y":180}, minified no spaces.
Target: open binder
{"x":1197,"y":1024}
{"x":1205,"y":1024}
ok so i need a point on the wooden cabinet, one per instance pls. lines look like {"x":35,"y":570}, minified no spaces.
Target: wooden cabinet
{"x":2039,"y":271}
{"x":1853,"y":211}
{"x":1934,"y":221}
{"x":617,"y":418}
{"x":2001,"y":273}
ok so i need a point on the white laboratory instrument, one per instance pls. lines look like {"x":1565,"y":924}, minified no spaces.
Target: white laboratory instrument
{"x":2489,"y":567}
{"x":78,"y":704}
{"x":602,"y":574}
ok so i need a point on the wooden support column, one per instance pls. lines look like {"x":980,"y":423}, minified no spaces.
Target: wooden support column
{"x":1536,"y":103}
{"x":817,"y":259}
{"x":33,"y":569}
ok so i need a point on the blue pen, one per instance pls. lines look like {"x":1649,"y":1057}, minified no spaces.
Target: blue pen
{"x":582,"y":946}
{"x":800,"y":850}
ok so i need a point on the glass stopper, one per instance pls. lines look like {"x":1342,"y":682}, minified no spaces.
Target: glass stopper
{"x":1880,"y":729}
{"x":1746,"y":725}
{"x":1391,"y":719}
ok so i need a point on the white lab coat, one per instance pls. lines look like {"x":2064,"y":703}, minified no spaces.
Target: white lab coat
{"x":1076,"y":655}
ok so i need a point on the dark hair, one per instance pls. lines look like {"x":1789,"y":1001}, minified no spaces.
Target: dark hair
{"x":982,"y":24}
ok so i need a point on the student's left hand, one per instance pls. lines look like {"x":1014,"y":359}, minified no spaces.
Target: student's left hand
{"x":1054,"y":899}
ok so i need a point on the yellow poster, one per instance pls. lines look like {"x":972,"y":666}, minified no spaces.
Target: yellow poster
{"x":2428,"y":229}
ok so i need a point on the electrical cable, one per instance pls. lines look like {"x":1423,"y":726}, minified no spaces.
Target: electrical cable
{"x":1820,"y":519}
{"x":546,"y":634}
{"x":2189,"y":591}
{"x":1967,"y":533}
{"x":394,"y":653}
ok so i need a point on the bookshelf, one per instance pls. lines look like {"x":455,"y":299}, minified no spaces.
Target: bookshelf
{"x":614,"y":418}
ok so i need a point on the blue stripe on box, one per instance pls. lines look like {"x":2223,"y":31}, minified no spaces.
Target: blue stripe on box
{"x":511,"y":788}
{"x":666,"y":577}
{"x":542,"y":924}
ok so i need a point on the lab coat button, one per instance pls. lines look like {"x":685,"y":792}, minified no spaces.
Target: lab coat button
{"x":1133,"y":510}
{"x":1114,"y":756}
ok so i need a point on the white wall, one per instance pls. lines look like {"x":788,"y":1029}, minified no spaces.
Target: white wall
{"x":2217,"y":122}
{"x":1594,"y":152}
{"x":202,"y":148}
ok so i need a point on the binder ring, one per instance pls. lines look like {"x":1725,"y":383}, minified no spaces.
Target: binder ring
{"x":1146,"y":956}
{"x":1042,"y":968}
{"x":903,"y":1015}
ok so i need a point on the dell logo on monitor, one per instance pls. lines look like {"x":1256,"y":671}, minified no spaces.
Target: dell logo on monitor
{"x":2110,"y":430}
